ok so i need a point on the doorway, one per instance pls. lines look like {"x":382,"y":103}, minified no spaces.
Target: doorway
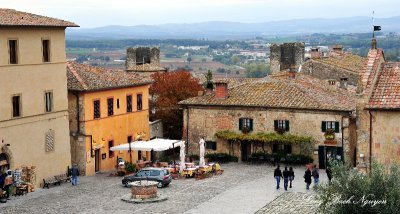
{"x":97,"y":160}
{"x":245,"y":149}
{"x":327,"y":153}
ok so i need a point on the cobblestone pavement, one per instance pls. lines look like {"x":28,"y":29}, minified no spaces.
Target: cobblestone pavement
{"x":247,"y":187}
{"x":291,"y":202}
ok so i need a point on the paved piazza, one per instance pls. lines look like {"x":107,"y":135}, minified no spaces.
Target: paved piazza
{"x":240,"y":189}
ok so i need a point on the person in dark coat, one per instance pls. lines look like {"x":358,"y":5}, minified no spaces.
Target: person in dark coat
{"x":329,"y":173}
{"x":286,"y":174}
{"x":278,"y":176}
{"x":291,"y":176}
{"x":307,"y":178}
{"x":315,"y":175}
{"x":74,"y":174}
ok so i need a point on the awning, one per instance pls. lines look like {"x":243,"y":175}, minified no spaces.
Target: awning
{"x":155,"y":145}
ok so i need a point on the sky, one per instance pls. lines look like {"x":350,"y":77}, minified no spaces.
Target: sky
{"x":97,"y":13}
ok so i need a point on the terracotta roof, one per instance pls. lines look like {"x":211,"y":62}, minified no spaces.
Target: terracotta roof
{"x":10,"y":17}
{"x":303,"y":92}
{"x":83,"y":77}
{"x":386,"y":91}
{"x":371,"y":67}
{"x":344,"y":60}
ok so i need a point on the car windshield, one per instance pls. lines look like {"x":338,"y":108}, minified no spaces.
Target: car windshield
{"x":143,"y":173}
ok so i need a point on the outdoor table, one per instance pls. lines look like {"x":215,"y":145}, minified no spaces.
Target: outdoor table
{"x":189,"y":172}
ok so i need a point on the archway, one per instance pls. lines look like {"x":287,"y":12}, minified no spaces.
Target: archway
{"x":4,"y":162}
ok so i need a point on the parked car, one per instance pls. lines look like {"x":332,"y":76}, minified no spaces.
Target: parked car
{"x":162,"y":176}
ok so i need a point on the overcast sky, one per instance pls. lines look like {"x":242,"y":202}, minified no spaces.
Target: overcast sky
{"x":95,"y":13}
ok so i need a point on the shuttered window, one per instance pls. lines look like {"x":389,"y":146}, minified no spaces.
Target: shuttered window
{"x":330,"y":125}
{"x":246,"y":122}
{"x":281,"y":124}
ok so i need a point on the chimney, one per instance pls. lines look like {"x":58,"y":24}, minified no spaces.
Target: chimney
{"x":292,"y":72}
{"x":221,"y":90}
{"x":315,"y":53}
{"x":343,"y":83}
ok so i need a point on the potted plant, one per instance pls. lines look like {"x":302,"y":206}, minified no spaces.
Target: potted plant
{"x":329,"y":134}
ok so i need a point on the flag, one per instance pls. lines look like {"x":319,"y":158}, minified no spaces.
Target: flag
{"x":377,"y":28}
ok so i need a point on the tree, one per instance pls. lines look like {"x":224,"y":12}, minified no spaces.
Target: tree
{"x":352,"y":191}
{"x":257,"y":70}
{"x":168,"y":89}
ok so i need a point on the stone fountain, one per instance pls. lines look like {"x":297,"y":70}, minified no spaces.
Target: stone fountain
{"x":143,"y":192}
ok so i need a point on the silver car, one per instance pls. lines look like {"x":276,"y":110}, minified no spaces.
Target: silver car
{"x":162,"y":176}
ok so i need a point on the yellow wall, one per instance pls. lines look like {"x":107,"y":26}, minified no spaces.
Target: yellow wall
{"x":30,"y":78}
{"x":117,"y":127}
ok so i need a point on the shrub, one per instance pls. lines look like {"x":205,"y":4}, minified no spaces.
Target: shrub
{"x":221,"y":157}
{"x":352,"y":191}
{"x":130,"y":167}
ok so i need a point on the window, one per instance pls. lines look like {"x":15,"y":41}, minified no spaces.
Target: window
{"x":211,"y":145}
{"x":16,"y":103}
{"x":117,"y":103}
{"x":282,"y":125}
{"x":155,"y":172}
{"x":48,"y":96}
{"x":110,"y":153}
{"x":128,"y":103}
{"x":49,"y":141}
{"x":246,"y":123}
{"x":330,"y":125}
{"x":139,"y":102}
{"x":96,"y":109}
{"x":110,"y":106}
{"x":46,"y":50}
{"x":13,"y":51}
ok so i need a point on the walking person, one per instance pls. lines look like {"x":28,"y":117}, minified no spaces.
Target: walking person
{"x":286,"y":174}
{"x":74,"y":174}
{"x":329,"y":173}
{"x":315,"y":175}
{"x":307,"y":178}
{"x":291,"y":176}
{"x":278,"y":176}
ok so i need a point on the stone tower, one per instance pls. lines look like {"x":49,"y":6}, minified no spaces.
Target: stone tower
{"x":283,"y":56}
{"x":143,"y":59}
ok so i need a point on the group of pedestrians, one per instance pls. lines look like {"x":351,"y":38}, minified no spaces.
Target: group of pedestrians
{"x":288,"y":176}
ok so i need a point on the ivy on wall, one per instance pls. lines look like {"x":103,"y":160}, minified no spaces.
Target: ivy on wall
{"x":306,"y":143}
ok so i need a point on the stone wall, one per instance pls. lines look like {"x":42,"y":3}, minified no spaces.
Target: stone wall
{"x":156,"y":129}
{"x":142,"y":58}
{"x":386,"y":136}
{"x":322,"y":70}
{"x":285,"y":55}
{"x":206,"y":121}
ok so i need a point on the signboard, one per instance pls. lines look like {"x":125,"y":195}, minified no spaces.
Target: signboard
{"x":330,"y":142}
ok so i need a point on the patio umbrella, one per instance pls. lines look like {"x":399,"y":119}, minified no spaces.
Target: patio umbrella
{"x":202,"y":150}
{"x":182,"y":156}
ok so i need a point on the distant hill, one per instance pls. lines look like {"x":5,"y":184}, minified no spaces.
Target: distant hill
{"x":235,"y":30}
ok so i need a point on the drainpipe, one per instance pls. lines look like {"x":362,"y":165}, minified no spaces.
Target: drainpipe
{"x":370,"y":140}
{"x":343,"y":139}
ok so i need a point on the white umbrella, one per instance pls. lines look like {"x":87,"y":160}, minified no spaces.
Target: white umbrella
{"x":202,"y":151}
{"x":182,"y":156}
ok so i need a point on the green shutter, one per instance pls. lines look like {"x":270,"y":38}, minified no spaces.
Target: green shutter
{"x":275,"y":124}
{"x":336,"y":127}
{"x":240,"y":123}
{"x":287,"y":125}
{"x":251,"y":125}
{"x":323,"y":126}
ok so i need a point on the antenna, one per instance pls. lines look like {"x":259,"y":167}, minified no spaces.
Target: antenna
{"x":373,"y":24}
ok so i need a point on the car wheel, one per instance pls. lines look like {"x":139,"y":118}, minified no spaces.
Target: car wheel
{"x":159,"y":185}
{"x":126,"y":182}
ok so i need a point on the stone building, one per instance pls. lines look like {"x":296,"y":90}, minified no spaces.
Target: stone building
{"x":143,"y":59}
{"x":33,"y":94}
{"x":107,"y":108}
{"x":284,"y":56}
{"x":378,"y":111}
{"x":299,"y":104}
{"x":336,"y":65}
